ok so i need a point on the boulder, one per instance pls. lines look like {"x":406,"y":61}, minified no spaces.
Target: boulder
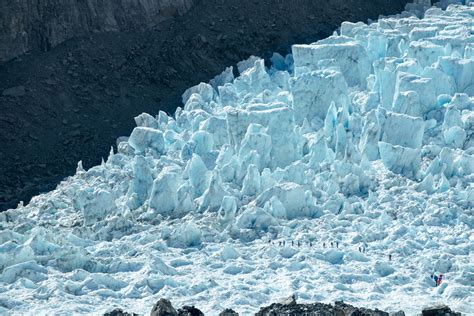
{"x":189,"y":311}
{"x":163,"y":308}
{"x":119,"y":312}
{"x":442,"y":310}
{"x":228,"y":312}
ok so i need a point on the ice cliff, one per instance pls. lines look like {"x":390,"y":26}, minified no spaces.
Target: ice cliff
{"x":364,"y":138}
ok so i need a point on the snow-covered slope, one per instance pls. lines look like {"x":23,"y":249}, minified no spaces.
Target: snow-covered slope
{"x":363,"y":140}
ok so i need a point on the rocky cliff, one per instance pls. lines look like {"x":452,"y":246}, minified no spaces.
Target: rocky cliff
{"x":42,"y":24}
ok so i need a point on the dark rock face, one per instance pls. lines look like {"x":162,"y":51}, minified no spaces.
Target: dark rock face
{"x":119,"y":312}
{"x":163,"y":308}
{"x":439,"y":311}
{"x":41,"y":25}
{"x":291,"y":308}
{"x":14,"y":91}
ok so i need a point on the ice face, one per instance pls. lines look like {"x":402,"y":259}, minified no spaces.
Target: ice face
{"x":139,"y":190}
{"x":365,"y":139}
{"x":146,"y":138}
{"x":403,"y":130}
{"x":314,"y":91}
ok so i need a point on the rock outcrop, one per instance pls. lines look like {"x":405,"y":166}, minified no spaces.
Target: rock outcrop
{"x":439,"y":311}
{"x":163,"y":308}
{"x":350,"y":310}
{"x":288,"y":307}
{"x":40,"y":25}
{"x":291,"y":307}
{"x":228,"y":312}
{"x":189,"y":311}
{"x":119,"y":312}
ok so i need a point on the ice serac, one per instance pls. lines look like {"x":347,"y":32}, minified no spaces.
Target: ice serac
{"x":279,"y":123}
{"x":349,"y":162}
{"x":314,"y":91}
{"x":142,"y":182}
{"x":344,"y":53}
{"x":163,"y":197}
{"x":399,"y":159}
{"x":403,"y":130}
{"x":143,"y":138}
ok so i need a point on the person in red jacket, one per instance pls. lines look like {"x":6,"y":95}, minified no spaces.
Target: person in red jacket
{"x":437,"y":279}
{"x":440,"y":279}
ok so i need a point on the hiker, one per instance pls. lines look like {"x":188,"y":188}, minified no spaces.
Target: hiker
{"x":360,"y":249}
{"x":337,"y":244}
{"x":440,"y":279}
{"x":435,"y":278}
{"x":390,"y":257}
{"x":324,"y":245}
{"x":332,"y":244}
{"x":292,"y":243}
{"x":299,"y":244}
{"x":310,"y":244}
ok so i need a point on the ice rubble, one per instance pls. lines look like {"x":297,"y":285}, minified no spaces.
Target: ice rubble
{"x":364,"y":138}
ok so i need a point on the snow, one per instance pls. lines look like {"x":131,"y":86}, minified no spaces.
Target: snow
{"x":350,"y":149}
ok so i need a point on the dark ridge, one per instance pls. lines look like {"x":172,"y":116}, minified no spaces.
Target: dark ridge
{"x":72,"y":102}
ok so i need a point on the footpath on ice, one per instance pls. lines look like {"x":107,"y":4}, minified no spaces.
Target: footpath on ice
{"x":364,"y":140}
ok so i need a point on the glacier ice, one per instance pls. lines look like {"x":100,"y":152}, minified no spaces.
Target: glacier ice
{"x":403,"y":130}
{"x":143,"y":138}
{"x":307,"y":173}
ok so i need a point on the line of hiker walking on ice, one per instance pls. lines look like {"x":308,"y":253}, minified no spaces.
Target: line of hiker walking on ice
{"x":332,"y":244}
{"x":335,"y":244}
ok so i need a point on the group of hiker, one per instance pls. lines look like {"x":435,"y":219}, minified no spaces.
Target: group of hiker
{"x":299,"y":244}
{"x":332,"y":244}
{"x":437,"y":278}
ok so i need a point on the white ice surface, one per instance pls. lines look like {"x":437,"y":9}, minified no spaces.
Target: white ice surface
{"x":366,"y":140}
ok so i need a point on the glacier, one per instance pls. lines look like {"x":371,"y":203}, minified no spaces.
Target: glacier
{"x":363,"y":140}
